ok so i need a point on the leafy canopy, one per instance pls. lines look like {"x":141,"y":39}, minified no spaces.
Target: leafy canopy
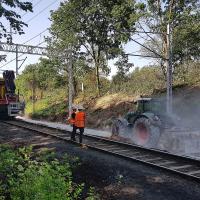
{"x":95,"y":23}
{"x":96,"y":27}
{"x":183,"y":16}
{"x":9,"y":10}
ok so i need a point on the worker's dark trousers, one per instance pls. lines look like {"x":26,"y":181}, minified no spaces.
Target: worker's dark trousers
{"x":73,"y":133}
{"x":81,"y":129}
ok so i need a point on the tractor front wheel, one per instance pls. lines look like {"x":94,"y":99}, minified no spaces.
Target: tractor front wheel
{"x":144,"y":133}
{"x":119,"y":127}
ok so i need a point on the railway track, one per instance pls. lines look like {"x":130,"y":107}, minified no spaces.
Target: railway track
{"x":184,"y":166}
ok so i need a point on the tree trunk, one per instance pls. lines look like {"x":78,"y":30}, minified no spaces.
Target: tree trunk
{"x":70,"y":83}
{"x":97,"y":80}
{"x":33,"y":95}
{"x":97,"y":65}
{"x":41,"y":94}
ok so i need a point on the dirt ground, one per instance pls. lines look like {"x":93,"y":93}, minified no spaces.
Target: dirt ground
{"x":113,"y":178}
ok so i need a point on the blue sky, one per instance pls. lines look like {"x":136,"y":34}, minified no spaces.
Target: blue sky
{"x":38,"y":21}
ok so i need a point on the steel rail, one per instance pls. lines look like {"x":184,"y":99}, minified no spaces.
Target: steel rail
{"x":181,"y":165}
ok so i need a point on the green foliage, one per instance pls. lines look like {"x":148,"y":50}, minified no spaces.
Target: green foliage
{"x":48,"y":75}
{"x":23,"y":177}
{"x":183,"y":16}
{"x":93,"y":22}
{"x":146,"y":80}
{"x":140,"y":81}
{"x":186,"y":38}
{"x":8,"y":10}
{"x":37,"y":78}
{"x":123,"y":67}
{"x":90,"y":86}
{"x":150,"y":79}
{"x":53,"y":103}
{"x":25,"y":81}
{"x":187,"y":73}
{"x":92,"y":194}
{"x":96,"y":27}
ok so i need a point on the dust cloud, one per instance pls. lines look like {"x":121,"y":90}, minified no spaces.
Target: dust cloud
{"x":183,"y":137}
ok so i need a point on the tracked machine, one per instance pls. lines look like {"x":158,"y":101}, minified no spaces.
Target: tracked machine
{"x":10,"y":105}
{"x":144,"y":126}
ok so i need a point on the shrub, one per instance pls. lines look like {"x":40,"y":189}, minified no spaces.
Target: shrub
{"x":26,"y":176}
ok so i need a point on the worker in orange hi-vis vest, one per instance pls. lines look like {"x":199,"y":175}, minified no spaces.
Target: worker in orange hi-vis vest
{"x":71,"y":121}
{"x":80,"y":122}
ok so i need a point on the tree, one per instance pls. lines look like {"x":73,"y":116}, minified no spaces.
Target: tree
{"x":41,"y":76}
{"x":123,"y":65}
{"x":27,"y":81}
{"x":47,"y":74}
{"x":12,"y":16}
{"x":183,"y":17}
{"x":96,"y":27}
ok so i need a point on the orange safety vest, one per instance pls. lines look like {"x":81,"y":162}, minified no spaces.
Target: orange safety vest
{"x":80,"y":119}
{"x":72,"y":120}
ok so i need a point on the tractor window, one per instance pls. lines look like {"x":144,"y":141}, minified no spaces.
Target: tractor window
{"x":158,"y":106}
{"x":140,"y":107}
{"x":147,"y":106}
{"x":153,"y":106}
{"x":143,"y":106}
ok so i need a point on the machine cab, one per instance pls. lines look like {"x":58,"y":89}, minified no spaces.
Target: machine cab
{"x":10,"y":105}
{"x":144,"y":105}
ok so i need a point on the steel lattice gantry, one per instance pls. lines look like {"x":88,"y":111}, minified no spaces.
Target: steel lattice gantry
{"x":20,"y":48}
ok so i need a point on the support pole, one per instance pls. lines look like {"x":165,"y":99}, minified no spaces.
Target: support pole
{"x":70,"y":83}
{"x":17,"y":61}
{"x":33,"y":93}
{"x":169,"y":71}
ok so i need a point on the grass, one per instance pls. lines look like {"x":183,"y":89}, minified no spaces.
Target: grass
{"x":53,"y":104}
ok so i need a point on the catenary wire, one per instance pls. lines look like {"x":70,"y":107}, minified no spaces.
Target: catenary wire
{"x":19,"y":56}
{"x":31,"y":20}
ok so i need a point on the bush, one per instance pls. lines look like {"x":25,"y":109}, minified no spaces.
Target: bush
{"x":44,"y":178}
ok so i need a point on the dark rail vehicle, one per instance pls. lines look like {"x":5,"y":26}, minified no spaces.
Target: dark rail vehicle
{"x":10,"y":105}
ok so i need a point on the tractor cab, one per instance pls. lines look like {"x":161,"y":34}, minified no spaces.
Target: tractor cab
{"x":145,"y":105}
{"x":142,"y":104}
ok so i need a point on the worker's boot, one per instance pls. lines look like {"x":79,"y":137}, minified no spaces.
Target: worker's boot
{"x":84,"y":146}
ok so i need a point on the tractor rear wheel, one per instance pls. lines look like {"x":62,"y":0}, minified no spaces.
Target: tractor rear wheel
{"x":145,"y":134}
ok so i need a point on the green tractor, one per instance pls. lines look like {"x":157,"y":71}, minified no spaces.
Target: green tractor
{"x":145,"y":125}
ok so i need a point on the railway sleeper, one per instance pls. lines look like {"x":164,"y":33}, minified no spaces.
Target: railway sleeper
{"x":194,"y":172}
{"x":142,"y":156}
{"x":165,"y":162}
{"x":154,"y":160}
{"x":180,"y":167}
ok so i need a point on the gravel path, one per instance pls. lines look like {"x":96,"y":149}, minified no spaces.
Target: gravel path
{"x":66,"y":127}
{"x":113,"y":178}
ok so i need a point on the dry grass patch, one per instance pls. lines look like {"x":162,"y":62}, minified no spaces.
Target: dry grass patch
{"x":112,"y":100}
